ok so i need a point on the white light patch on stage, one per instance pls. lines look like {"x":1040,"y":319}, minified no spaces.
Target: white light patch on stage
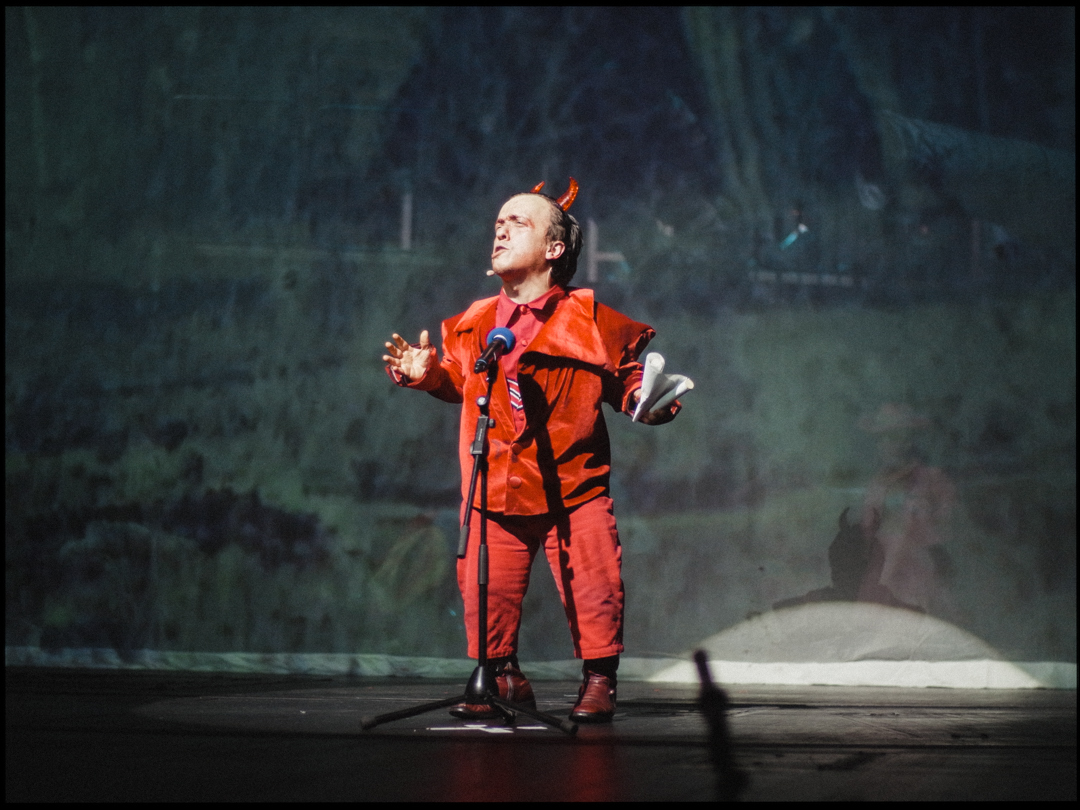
{"x":860,"y":644}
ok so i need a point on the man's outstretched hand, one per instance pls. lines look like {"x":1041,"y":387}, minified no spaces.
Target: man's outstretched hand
{"x":408,"y":360}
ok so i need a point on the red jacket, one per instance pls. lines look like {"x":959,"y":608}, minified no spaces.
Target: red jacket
{"x":584,"y":355}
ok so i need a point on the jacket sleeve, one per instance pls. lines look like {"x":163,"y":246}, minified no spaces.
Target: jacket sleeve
{"x":624,"y":341}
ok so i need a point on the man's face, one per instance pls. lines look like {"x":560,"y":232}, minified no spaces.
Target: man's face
{"x":521,"y":243}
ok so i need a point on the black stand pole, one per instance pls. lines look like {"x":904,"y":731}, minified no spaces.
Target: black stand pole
{"x":481,"y":689}
{"x":714,"y":704}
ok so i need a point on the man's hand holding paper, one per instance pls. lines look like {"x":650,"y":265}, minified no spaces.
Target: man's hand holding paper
{"x":658,"y":391}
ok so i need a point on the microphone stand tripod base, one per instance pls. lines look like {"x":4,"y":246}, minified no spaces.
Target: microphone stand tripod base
{"x":480,"y":691}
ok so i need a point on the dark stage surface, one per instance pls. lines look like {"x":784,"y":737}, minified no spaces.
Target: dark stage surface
{"x":93,"y":735}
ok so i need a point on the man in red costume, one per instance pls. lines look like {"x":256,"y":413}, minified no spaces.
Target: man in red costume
{"x":548,"y":452}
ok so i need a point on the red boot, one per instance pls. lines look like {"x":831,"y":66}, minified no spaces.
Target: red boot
{"x":513,"y":686}
{"x":596,"y":699}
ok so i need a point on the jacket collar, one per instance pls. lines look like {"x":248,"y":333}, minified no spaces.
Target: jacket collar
{"x":569,"y":332}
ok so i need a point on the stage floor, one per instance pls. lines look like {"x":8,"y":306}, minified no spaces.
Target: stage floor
{"x":106,"y":735}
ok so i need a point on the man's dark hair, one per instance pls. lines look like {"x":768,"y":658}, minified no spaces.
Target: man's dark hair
{"x":563,"y":228}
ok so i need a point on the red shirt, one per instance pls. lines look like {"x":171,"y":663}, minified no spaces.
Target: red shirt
{"x":524,"y":320}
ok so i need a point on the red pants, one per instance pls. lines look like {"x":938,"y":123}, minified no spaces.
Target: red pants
{"x":583,"y":550}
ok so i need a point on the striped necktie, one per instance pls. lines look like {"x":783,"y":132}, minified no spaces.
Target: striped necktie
{"x":515,"y":394}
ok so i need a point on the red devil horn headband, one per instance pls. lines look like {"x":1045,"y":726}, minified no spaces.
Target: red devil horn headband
{"x":567,"y":199}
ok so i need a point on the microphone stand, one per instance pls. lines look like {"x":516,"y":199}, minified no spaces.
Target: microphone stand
{"x":481,"y":688}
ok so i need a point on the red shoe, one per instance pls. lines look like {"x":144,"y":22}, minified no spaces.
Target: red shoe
{"x":596,"y":700}
{"x":513,"y":686}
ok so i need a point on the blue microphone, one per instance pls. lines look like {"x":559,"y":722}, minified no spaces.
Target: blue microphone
{"x":500,"y":341}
